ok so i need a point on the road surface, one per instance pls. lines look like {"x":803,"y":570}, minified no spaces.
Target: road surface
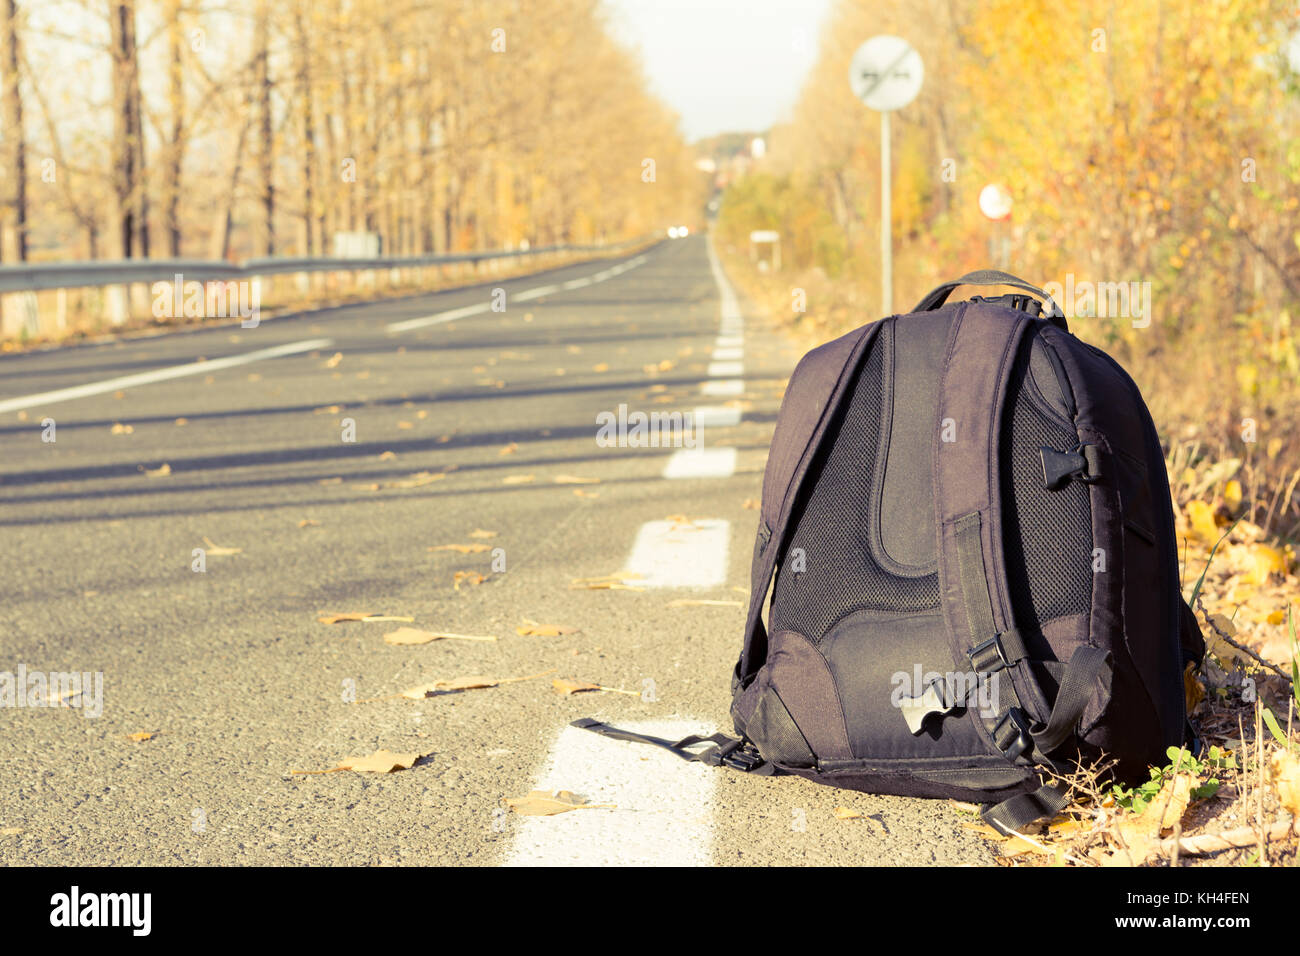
{"x":230,"y":438}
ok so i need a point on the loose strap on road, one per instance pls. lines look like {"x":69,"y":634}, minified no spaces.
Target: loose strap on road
{"x":735,"y":752}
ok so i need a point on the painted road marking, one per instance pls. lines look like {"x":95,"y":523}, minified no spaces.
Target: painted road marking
{"x":725,"y":369}
{"x":723,"y":386}
{"x":729,"y":341}
{"x":664,"y":805}
{"x":480,"y":307}
{"x":438,"y":319}
{"x":701,"y":463}
{"x":669,"y":554}
{"x":727,"y":354}
{"x":537,"y":293}
{"x":161,"y":375}
{"x":715,"y":416}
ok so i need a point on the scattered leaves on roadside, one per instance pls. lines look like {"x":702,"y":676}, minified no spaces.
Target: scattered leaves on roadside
{"x":462,"y":548}
{"x":509,"y":449}
{"x":480,"y":533}
{"x":142,"y":735}
{"x":575,"y":480}
{"x":120,"y":429}
{"x":518,"y":479}
{"x":694,"y":602}
{"x":308,"y":523}
{"x":162,"y":471}
{"x":334,"y":360}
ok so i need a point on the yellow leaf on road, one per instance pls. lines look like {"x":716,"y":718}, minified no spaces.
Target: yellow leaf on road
{"x":163,"y":471}
{"x":462,"y":548}
{"x":541,"y":803}
{"x":533,"y":629}
{"x":363,"y":617}
{"x":217,"y":551}
{"x":412,"y":635}
{"x":569,"y":686}
{"x":142,"y":735}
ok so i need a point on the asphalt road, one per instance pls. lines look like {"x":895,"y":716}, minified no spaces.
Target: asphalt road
{"x":241,"y":683}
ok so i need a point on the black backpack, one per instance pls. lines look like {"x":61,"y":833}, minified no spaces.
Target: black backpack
{"x":967,"y":532}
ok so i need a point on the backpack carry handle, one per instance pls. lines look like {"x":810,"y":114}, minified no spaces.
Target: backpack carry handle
{"x":939,"y":295}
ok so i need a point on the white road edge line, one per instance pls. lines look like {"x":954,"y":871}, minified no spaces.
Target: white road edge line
{"x":160,"y":375}
{"x":663,"y":806}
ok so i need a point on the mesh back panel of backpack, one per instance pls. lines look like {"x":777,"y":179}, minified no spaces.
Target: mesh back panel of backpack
{"x":1047,"y":534}
{"x":841,"y":575}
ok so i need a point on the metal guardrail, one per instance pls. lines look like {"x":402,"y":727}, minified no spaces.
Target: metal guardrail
{"x":40,"y":276}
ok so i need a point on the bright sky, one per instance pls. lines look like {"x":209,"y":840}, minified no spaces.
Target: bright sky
{"x":724,"y":65}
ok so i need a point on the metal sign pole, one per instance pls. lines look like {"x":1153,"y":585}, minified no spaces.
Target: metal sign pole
{"x":886,"y":219}
{"x":886,"y":74}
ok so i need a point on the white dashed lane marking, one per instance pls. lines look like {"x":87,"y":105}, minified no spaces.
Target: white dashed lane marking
{"x":688,"y":554}
{"x":715,"y":416}
{"x":161,"y":375}
{"x":719,"y":387}
{"x":701,"y":463}
{"x":528,"y":294}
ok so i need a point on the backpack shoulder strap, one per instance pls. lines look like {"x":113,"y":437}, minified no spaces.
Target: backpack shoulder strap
{"x":816,"y":388}
{"x":972,"y":578}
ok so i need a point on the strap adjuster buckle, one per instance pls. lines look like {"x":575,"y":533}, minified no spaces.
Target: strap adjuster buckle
{"x":989,"y":657}
{"x":1011,"y":735}
{"x":740,"y":755}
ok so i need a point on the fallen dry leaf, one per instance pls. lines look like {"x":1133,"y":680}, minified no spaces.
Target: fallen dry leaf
{"x":844,"y":813}
{"x":388,"y":456}
{"x":308,"y":523}
{"x":330,"y":481}
{"x":540,"y":803}
{"x":142,"y":735}
{"x":334,"y":360}
{"x":518,"y":479}
{"x":181,"y":422}
{"x":217,"y":551}
{"x":413,"y":635}
{"x":462,"y":548}
{"x":480,"y":533}
{"x":575,"y":480}
{"x":455,"y":685}
{"x":586,"y":494}
{"x":509,"y":449}
{"x":381,"y":761}
{"x":472,"y":578}
{"x":1284,"y":774}
{"x":364,"y":617}
{"x":533,"y":629}
{"x":568,"y":686}
{"x":10,"y":831}
{"x":120,"y":429}
{"x":692,"y":602}
{"x":161,"y":472}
